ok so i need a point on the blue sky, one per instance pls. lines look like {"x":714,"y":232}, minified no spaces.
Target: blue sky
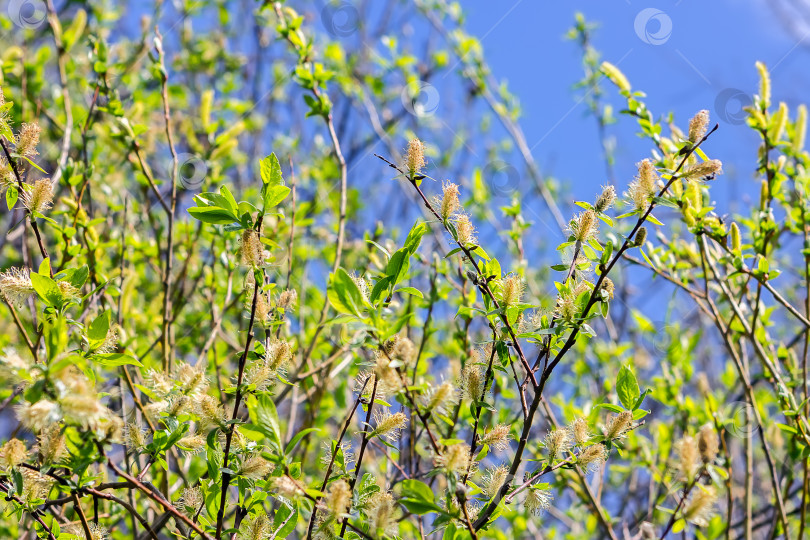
{"x":711,"y":48}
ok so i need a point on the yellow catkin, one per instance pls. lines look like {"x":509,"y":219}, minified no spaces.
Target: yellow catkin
{"x":615,"y":76}
{"x":538,"y":500}
{"x":605,"y":199}
{"x":764,"y":85}
{"x":449,"y":203}
{"x":455,"y":458}
{"x":557,"y":442}
{"x":799,"y":129}
{"x":698,"y":125}
{"x":706,"y":170}
{"x":618,"y":425}
{"x":592,"y":457}
{"x":580,"y":431}
{"x":708,"y":443}
{"x":498,"y":437}
{"x":584,"y":226}
{"x":39,"y":196}
{"x":28,"y":139}
{"x":389,"y":425}
{"x":415,"y":157}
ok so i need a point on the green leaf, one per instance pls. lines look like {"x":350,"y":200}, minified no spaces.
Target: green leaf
{"x":212,"y":214}
{"x":410,"y":290}
{"x":46,"y":289}
{"x":263,"y":414}
{"x":398,"y":265}
{"x":417,"y":497}
{"x":11,"y":197}
{"x":115,"y":359}
{"x":271,"y":171}
{"x":344,"y":295}
{"x":295,"y":440}
{"x":379,"y":287}
{"x":273,"y":195}
{"x":415,"y":237}
{"x":627,"y":387}
{"x":97,"y":330}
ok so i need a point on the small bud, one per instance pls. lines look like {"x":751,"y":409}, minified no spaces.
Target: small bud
{"x":287,"y":299}
{"x":697,"y":126}
{"x":383,"y":513}
{"x":641,"y":236}
{"x":134,"y":436}
{"x":736,"y":241}
{"x":608,"y":287}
